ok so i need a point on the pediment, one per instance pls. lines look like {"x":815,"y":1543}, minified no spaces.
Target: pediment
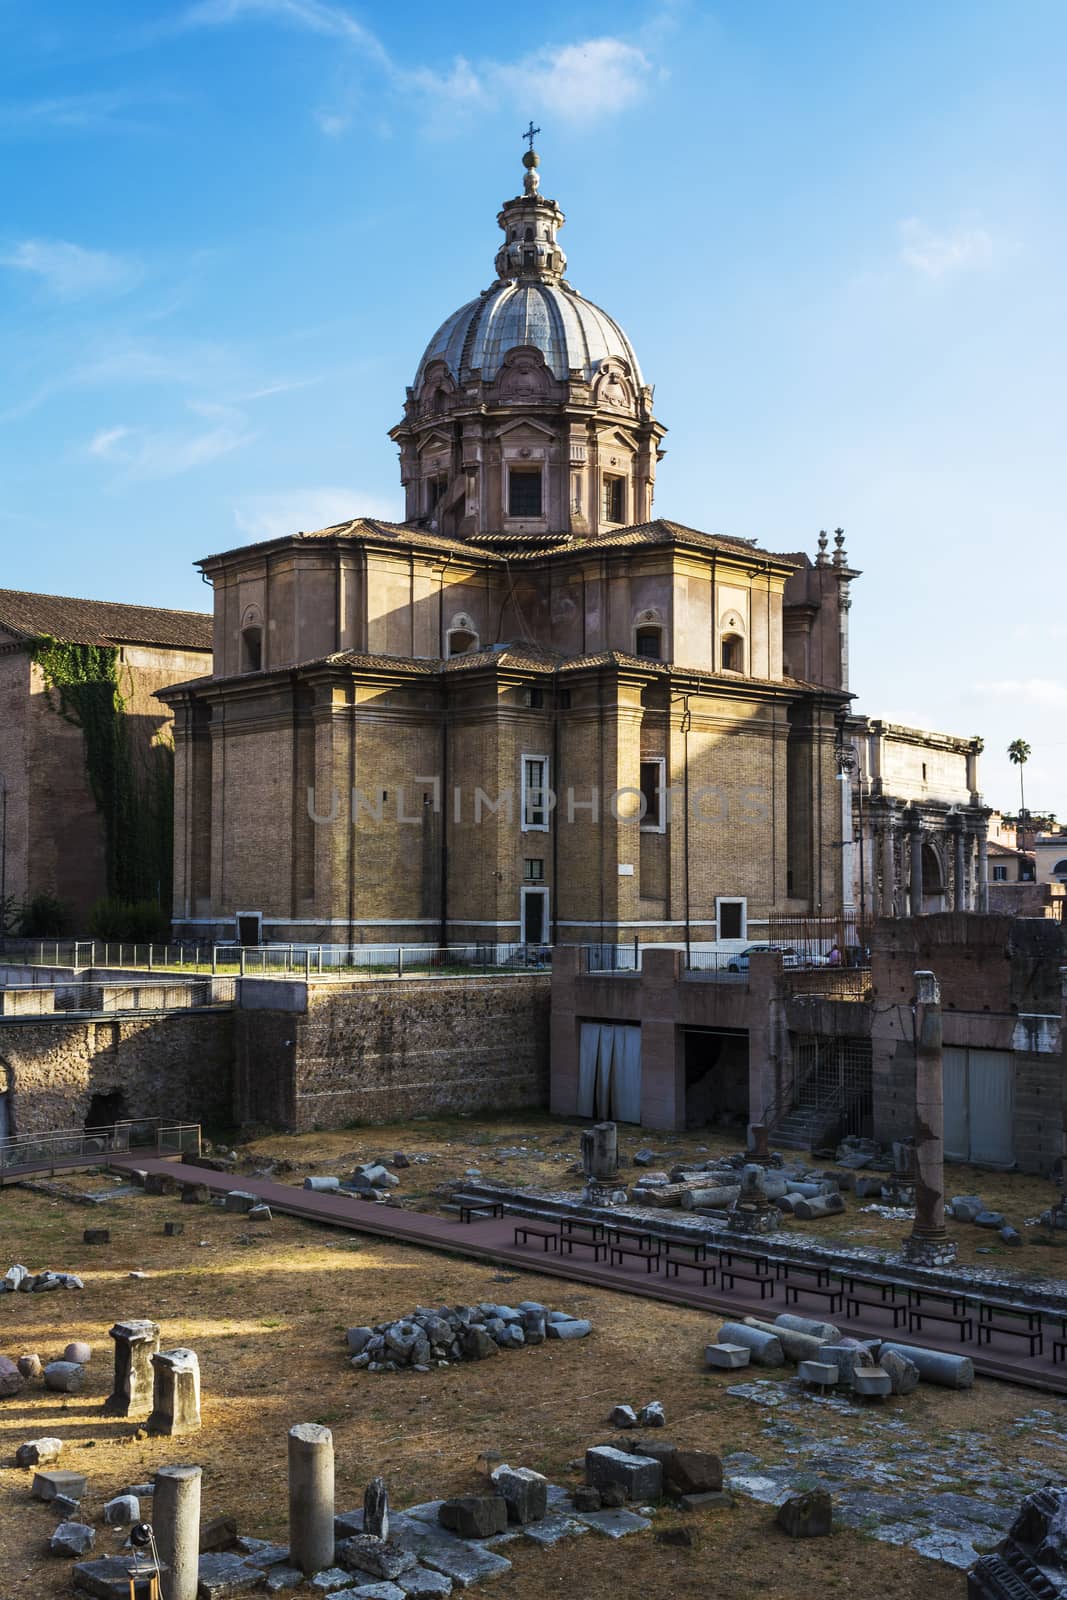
{"x":527,"y":425}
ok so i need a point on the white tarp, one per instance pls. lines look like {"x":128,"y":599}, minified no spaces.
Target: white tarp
{"x":979,"y":1088}
{"x":609,"y":1071}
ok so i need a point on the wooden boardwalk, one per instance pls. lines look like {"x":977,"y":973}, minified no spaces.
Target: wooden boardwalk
{"x":493,"y":1241}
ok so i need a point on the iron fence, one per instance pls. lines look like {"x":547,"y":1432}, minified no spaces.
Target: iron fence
{"x":831,"y":983}
{"x":67,"y":1144}
{"x":124,"y":996}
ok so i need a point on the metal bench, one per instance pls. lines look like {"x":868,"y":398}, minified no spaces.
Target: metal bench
{"x":887,"y":1298}
{"x":576,"y":1226}
{"x":568,"y":1241}
{"x":727,"y":1253}
{"x":549,"y":1237}
{"x":469,"y":1204}
{"x":987,"y":1327}
{"x":819,"y":1291}
{"x":707,"y":1269}
{"x":729,"y":1274}
{"x":1059,"y":1350}
{"x":650,"y":1254}
{"x":924,"y":1304}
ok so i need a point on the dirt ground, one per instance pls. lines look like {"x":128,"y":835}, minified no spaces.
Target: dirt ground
{"x":550,"y":1150}
{"x":266,"y":1306}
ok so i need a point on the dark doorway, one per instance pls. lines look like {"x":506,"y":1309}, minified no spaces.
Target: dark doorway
{"x":106,"y":1109}
{"x":716,"y":1078}
{"x":249,"y":927}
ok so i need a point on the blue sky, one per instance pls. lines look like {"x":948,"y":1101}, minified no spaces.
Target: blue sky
{"x":835,"y":234}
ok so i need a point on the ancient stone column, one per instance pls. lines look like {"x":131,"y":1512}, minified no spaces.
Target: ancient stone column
{"x":311,"y":1497}
{"x":136,"y":1343}
{"x":600,"y":1151}
{"x":959,"y":898}
{"x":176,"y":1523}
{"x":928,"y":1244}
{"x":1056,"y":1216}
{"x":982,"y":873}
{"x":175,"y":1393}
{"x":916,"y":843}
{"x":888,"y":905}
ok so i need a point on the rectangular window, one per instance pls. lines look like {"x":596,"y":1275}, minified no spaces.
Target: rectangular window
{"x":731,"y":915}
{"x":533,"y":871}
{"x":653,"y":782}
{"x":614,"y":499}
{"x":535,"y":794}
{"x":524,"y":492}
{"x":1000,"y":874}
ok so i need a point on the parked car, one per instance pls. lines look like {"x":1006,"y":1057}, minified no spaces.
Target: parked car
{"x":738,"y":961}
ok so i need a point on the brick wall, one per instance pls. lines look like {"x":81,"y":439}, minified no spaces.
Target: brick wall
{"x":323,"y":1055}
{"x":165,"y":1066}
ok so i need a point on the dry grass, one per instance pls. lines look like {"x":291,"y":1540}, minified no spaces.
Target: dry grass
{"x":455,"y":1144}
{"x":267,"y":1318}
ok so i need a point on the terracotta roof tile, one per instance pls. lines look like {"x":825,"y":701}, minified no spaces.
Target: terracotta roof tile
{"x":101,"y":621}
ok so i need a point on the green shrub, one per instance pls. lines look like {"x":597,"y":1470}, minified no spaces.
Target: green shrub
{"x":140,"y":922}
{"x":44,"y":917}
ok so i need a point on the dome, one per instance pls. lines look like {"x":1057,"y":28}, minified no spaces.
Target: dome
{"x":572,"y":334}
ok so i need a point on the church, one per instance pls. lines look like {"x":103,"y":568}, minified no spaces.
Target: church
{"x":532,"y":711}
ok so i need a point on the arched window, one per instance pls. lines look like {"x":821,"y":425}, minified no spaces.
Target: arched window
{"x":648,"y":642}
{"x":462,"y":636}
{"x":528,"y":236}
{"x":251,"y":649}
{"x":733,"y":653}
{"x":933,"y":880}
{"x":1060,"y":869}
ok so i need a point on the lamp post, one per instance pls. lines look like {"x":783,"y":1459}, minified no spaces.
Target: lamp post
{"x":847,"y":764}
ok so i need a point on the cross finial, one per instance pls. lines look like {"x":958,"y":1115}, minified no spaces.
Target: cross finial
{"x":531,"y":133}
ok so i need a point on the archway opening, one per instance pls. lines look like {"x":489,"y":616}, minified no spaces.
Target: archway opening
{"x":106,"y":1108}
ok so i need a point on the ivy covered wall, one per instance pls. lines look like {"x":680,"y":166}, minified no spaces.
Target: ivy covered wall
{"x":131,"y":778}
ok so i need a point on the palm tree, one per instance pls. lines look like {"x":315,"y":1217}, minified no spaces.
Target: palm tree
{"x":1019,"y":755}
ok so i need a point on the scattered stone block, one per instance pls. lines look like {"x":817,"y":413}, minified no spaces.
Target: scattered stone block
{"x":38,"y":1452}
{"x":872,"y":1383}
{"x":96,"y":1236}
{"x":79,"y":1352}
{"x":64,"y":1506}
{"x":107,"y":1578}
{"x":195,"y":1194}
{"x":30,"y":1366}
{"x":990,"y":1219}
{"x":474,"y":1516}
{"x":820,"y":1205}
{"x":240,"y":1200}
{"x":688,"y":1472}
{"x":903,"y":1374}
{"x":260,"y":1213}
{"x":11,"y":1379}
{"x":846,"y":1357}
{"x":640,"y":1476}
{"x":709,"y":1501}
{"x":727,"y":1355}
{"x":46,"y":1485}
{"x":573,"y":1328}
{"x":652,"y":1416}
{"x":226,"y":1574}
{"x":966,"y":1207}
{"x":476,"y":1344}
{"x":765,"y":1349}
{"x":322,"y":1185}
{"x":623,"y":1417}
{"x":613,"y":1496}
{"x":218,"y":1533}
{"x":807,"y":1516}
{"x":381,"y":1558}
{"x":825,"y":1332}
{"x":1010,"y":1236}
{"x":820,"y":1374}
{"x":171,"y":1230}
{"x":281,"y":1578}
{"x":64,"y":1377}
{"x":376,"y":1509}
{"x":331,"y":1578}
{"x":587,"y":1498}
{"x":615,"y":1524}
{"x":122,"y":1511}
{"x":370,"y":1591}
{"x":421,"y":1583}
{"x":72,"y":1539}
{"x":525,"y":1493}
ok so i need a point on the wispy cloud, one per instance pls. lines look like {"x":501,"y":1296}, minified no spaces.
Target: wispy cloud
{"x":74,"y":113}
{"x":938,"y":255}
{"x":272,"y":516}
{"x":1042,"y":692}
{"x":69,"y":271}
{"x":139,"y":453}
{"x":580,"y":82}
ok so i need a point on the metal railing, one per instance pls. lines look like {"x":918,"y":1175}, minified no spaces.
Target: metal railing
{"x":74,"y":1144}
{"x":124,"y":996}
{"x":310,"y":960}
{"x":730,"y":966}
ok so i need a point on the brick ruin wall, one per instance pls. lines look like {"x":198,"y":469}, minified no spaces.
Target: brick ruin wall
{"x":174,"y":1065}
{"x":375,"y":1052}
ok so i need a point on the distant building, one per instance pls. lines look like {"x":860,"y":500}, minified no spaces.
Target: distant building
{"x":86,"y":756}
{"x":915,"y":834}
{"x":1050,"y":861}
